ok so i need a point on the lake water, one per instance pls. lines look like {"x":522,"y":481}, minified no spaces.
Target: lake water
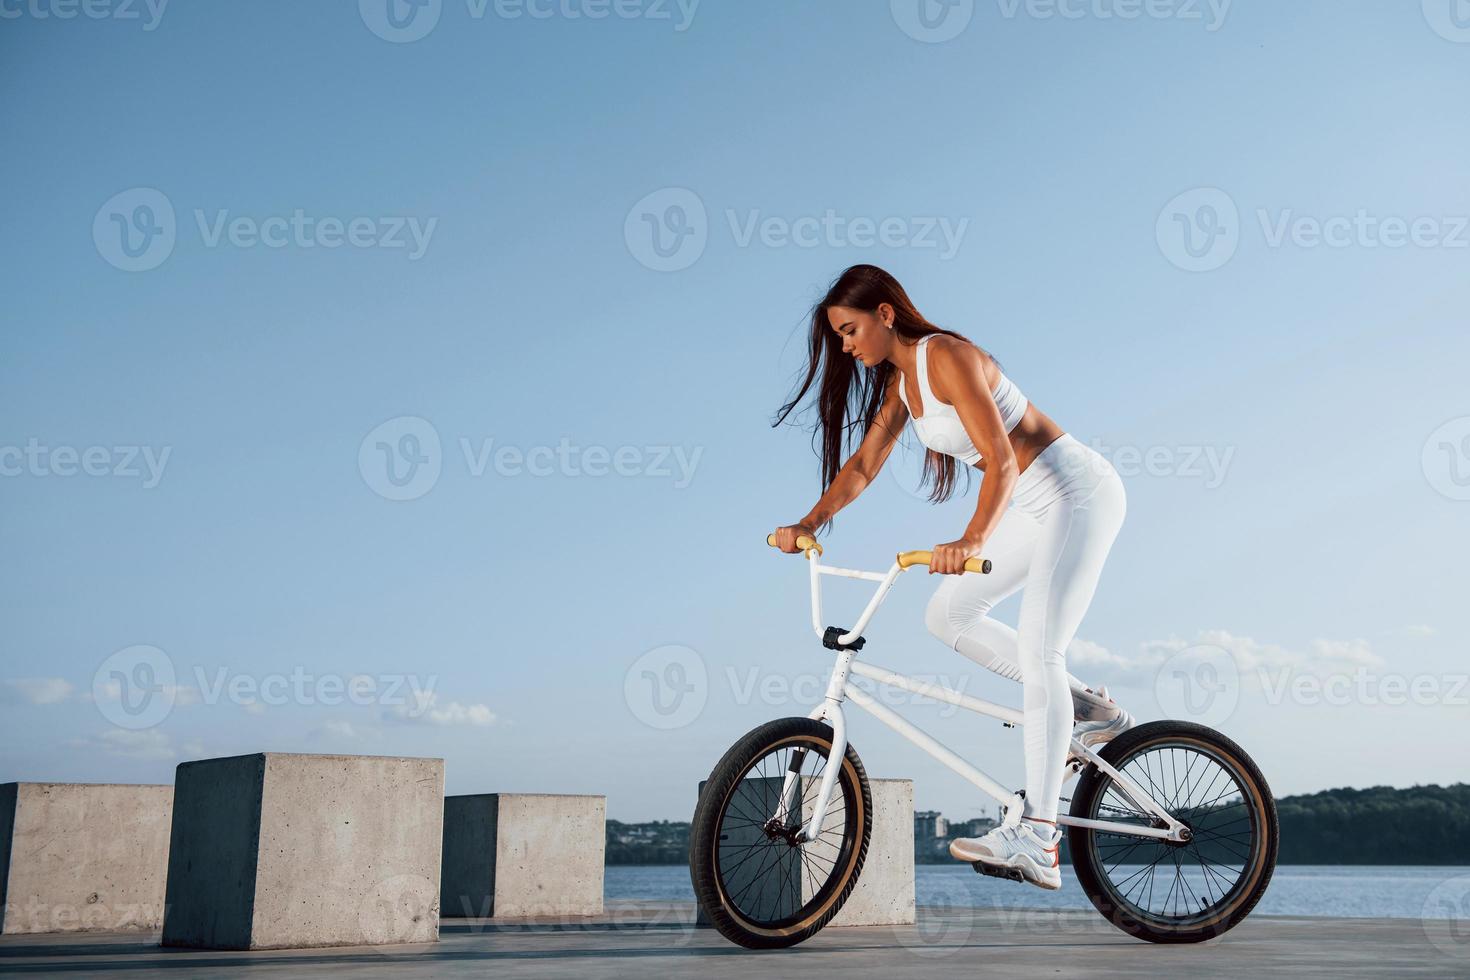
{"x":1335,"y":891}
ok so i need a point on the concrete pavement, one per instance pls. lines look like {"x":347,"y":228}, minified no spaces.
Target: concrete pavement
{"x":648,"y":939}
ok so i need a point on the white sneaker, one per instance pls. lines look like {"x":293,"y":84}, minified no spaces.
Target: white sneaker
{"x":1022,"y":850}
{"x":1095,"y":733}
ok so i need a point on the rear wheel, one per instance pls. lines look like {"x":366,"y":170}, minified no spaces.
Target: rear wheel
{"x":1166,"y":892}
{"x":761,"y":885}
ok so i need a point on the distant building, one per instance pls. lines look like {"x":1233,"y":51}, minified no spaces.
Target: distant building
{"x":929,"y":824}
{"x":977,"y":827}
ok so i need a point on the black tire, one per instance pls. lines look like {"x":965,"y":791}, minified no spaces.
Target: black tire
{"x":1225,"y":834}
{"x":727,"y":838}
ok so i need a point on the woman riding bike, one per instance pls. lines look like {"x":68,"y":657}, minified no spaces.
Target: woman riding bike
{"x":1049,"y":510}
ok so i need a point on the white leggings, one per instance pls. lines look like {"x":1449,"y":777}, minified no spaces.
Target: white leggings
{"x":1063,"y":516}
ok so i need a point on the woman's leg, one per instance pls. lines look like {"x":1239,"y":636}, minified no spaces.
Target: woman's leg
{"x":958,"y":613}
{"x":1074,"y":540}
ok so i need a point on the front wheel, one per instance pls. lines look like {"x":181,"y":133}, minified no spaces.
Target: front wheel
{"x":1162,"y":891}
{"x":761,"y":885}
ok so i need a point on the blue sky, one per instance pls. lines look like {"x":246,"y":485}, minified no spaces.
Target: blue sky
{"x":1230,"y":240}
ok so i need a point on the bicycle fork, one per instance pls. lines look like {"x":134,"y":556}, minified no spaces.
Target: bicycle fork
{"x":830,"y":711}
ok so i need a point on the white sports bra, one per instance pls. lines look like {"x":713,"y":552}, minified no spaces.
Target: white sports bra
{"x":940,"y":427}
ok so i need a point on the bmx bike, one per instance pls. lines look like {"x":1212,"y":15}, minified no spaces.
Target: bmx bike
{"x":1172,"y":830}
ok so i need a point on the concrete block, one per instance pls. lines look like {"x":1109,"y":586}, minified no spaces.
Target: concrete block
{"x":885,"y":890}
{"x":77,"y":857}
{"x":884,"y":894}
{"x":523,"y":854}
{"x":276,"y":850}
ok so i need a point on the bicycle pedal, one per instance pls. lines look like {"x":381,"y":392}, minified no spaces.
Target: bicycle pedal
{"x":1010,"y":874}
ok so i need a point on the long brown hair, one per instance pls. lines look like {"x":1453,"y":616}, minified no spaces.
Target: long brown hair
{"x":848,"y":398}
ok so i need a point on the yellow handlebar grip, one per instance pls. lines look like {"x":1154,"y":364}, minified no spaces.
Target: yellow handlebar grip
{"x":803,"y":542}
{"x":907,"y":558}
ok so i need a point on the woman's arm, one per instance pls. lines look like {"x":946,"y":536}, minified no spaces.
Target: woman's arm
{"x":864,"y":465}
{"x":957,"y":376}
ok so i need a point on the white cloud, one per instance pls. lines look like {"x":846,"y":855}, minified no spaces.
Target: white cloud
{"x":148,"y":743}
{"x":425,"y":709}
{"x":35,"y":690}
{"x":1085,"y":658}
{"x":182,"y":694}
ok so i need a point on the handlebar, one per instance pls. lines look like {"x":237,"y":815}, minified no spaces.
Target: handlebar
{"x":905,"y":558}
{"x":803,"y":541}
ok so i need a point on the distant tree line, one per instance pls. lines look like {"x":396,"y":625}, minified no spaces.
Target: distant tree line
{"x":1426,"y":825}
{"x":1379,"y":825}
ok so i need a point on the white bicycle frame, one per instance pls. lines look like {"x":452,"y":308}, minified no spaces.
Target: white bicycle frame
{"x":839,"y":688}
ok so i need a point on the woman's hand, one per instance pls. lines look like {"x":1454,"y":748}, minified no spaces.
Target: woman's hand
{"x":786,"y":537}
{"x":950,"y":558}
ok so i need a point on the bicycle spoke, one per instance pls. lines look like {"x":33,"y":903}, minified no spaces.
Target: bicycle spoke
{"x":1168,"y":882}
